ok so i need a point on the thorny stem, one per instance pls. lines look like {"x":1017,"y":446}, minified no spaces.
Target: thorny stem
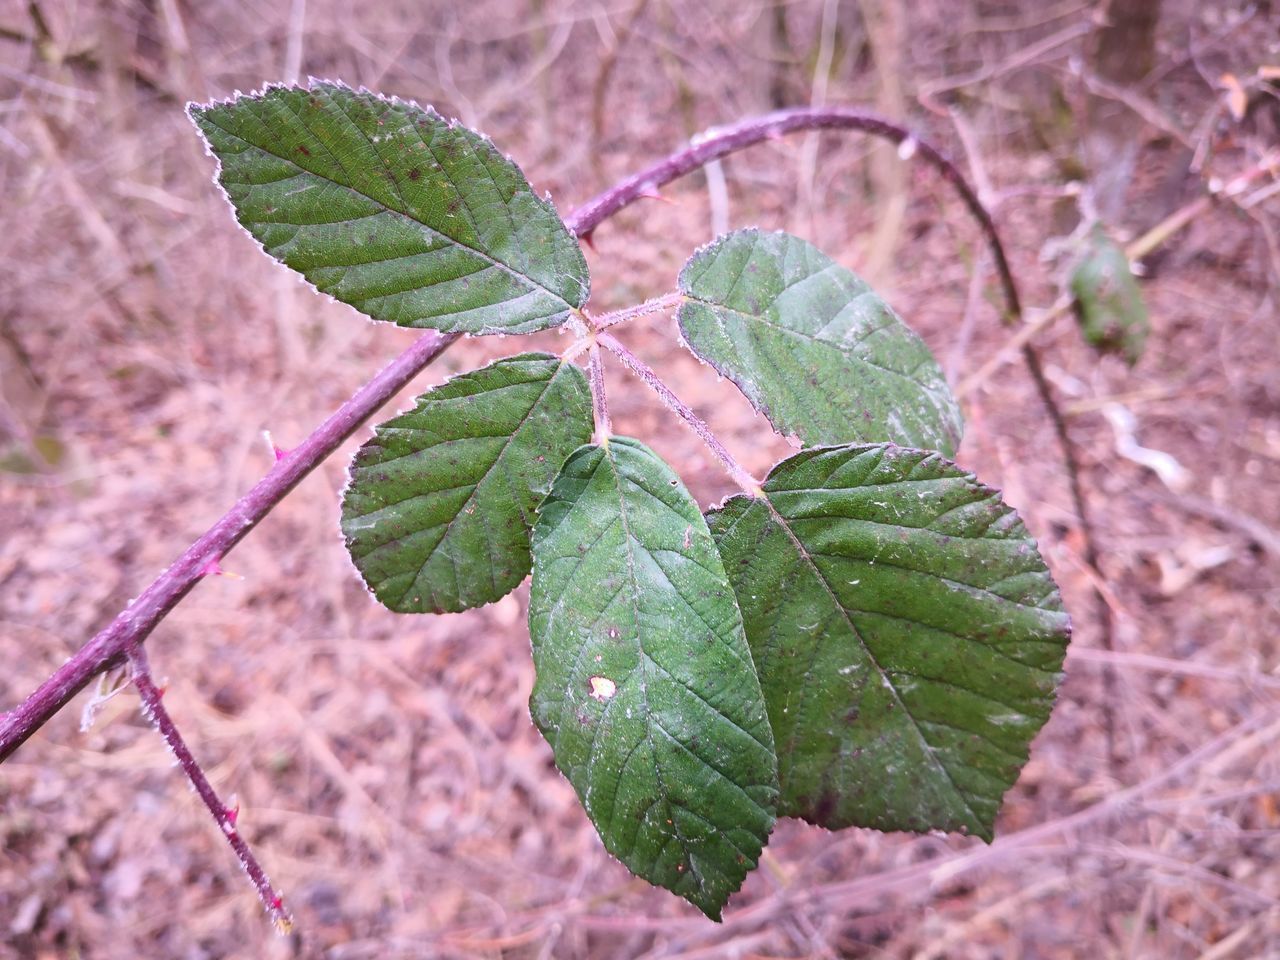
{"x":717,"y":143}
{"x":749,"y":484}
{"x":136,"y":622}
{"x":154,"y":710}
{"x":132,"y":626}
{"x":599,"y":402}
{"x":721,"y":141}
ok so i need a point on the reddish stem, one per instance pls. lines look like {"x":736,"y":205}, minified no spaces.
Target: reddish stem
{"x":749,"y":484}
{"x":136,"y":622}
{"x":122,"y":639}
{"x":599,"y":400}
{"x":153,"y":709}
{"x":720,"y":141}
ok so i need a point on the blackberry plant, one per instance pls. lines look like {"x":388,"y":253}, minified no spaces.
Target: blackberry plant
{"x":865,"y":637}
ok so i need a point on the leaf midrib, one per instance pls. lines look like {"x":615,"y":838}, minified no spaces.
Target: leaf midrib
{"x":489,"y":258}
{"x":930,"y":750}
{"x":485,"y":476}
{"x":764,"y":322}
{"x":650,"y":721}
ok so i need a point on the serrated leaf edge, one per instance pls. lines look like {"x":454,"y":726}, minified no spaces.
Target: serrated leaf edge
{"x":192,"y":107}
{"x":982,"y":830}
{"x":349,"y":478}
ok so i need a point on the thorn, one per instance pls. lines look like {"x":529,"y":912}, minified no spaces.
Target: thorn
{"x":232,"y":811}
{"x":276,"y":450}
{"x":214,"y":569}
{"x":588,"y":239}
{"x":651,"y":193}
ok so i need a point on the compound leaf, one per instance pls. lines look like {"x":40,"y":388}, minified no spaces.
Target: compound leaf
{"x":1108,"y":304}
{"x":908,"y":637}
{"x":812,"y":346}
{"x":645,"y":687}
{"x":390,"y":208}
{"x":441,"y":502}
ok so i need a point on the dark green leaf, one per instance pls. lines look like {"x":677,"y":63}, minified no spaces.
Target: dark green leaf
{"x":408,"y":217}
{"x":441,"y":501}
{"x":1108,"y":303}
{"x":812,"y":346}
{"x":908,"y":636}
{"x":645,"y":687}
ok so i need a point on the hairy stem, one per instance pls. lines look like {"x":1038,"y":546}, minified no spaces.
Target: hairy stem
{"x":153,"y":709}
{"x":599,"y":402}
{"x":122,"y":639}
{"x":137,"y":622}
{"x":668,"y":301}
{"x":749,"y":484}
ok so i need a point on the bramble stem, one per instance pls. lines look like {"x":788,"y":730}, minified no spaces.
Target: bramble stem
{"x":668,"y":301}
{"x":721,"y":141}
{"x":136,"y":622}
{"x":749,"y":484}
{"x":599,"y":402}
{"x":122,"y":639}
{"x":153,"y":709}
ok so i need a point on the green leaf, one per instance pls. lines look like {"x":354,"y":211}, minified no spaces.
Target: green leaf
{"x":390,"y":208}
{"x":1108,"y":304}
{"x":908,"y":636}
{"x":441,"y":502}
{"x":645,"y":687}
{"x":812,"y":346}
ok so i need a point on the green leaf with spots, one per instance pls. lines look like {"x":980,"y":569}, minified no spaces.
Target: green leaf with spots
{"x":390,"y":208}
{"x":441,"y":502}
{"x":812,"y":346}
{"x":645,"y":686}
{"x":908,"y":636}
{"x":1108,"y":304}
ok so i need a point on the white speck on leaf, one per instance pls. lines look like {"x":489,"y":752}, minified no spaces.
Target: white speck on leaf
{"x":602,"y":689}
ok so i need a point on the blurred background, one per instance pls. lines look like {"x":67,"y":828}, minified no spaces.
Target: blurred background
{"x":389,"y":775}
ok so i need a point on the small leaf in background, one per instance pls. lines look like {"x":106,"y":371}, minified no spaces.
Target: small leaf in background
{"x":1108,"y":303}
{"x":908,"y":637}
{"x":441,"y":502}
{"x":812,"y":346}
{"x":390,"y":208}
{"x":645,"y":687}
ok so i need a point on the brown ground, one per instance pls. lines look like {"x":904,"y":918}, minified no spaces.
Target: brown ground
{"x":388,"y":771}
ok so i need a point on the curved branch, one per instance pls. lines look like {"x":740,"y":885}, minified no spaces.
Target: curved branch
{"x":136,"y":622}
{"x":721,"y":141}
{"x":133,"y":625}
